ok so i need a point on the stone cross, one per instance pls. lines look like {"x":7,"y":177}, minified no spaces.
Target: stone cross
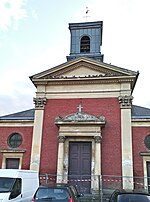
{"x":80,"y":108}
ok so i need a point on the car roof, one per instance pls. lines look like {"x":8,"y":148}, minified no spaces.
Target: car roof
{"x":132,"y":192}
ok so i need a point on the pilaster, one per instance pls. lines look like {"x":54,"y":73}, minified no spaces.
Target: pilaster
{"x":126,"y":141}
{"x":60,"y":160}
{"x":39,"y":102}
{"x":97,"y":160}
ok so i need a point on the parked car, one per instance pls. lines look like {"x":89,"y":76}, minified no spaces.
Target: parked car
{"x":129,"y":196}
{"x":18,"y":185}
{"x":57,"y":193}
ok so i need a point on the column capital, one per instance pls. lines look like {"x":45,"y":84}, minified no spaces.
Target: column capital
{"x":61,"y":139}
{"x":125,"y":101}
{"x":97,"y":138}
{"x":39,"y":102}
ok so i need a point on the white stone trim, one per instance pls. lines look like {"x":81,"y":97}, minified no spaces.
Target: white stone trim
{"x":141,"y":123}
{"x":146,"y":158}
{"x":11,"y":154}
{"x":126,"y":142}
{"x":37,"y":140}
{"x":22,"y":123}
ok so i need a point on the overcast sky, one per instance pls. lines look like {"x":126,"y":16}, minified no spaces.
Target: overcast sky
{"x":34,"y":37}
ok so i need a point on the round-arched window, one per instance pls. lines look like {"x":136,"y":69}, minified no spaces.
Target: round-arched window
{"x":85,"y":44}
{"x":147,"y":141}
{"x":15,"y":140}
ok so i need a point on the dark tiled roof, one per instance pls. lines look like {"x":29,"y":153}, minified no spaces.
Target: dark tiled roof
{"x":140,"y":112}
{"x":24,"y":115}
{"x":137,"y":112}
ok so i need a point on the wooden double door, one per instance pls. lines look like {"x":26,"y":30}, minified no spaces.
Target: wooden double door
{"x":80,"y":165}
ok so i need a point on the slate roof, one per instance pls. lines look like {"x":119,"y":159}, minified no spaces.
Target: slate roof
{"x":140,"y":112}
{"x":24,"y":115}
{"x":137,"y":113}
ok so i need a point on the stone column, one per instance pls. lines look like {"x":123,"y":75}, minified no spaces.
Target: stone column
{"x":97,"y":167}
{"x":37,"y":133}
{"x":60,"y":159}
{"x":126,"y":141}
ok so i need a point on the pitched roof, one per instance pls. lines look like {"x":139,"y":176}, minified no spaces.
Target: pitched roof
{"x":24,"y":115}
{"x":137,"y":112}
{"x":140,"y":112}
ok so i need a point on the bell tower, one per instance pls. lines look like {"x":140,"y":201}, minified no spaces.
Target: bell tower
{"x":86,"y":40}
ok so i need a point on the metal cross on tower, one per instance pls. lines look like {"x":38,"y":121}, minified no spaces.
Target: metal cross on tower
{"x":86,"y":16}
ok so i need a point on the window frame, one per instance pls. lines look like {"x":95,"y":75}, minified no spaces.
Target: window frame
{"x":13,"y":140}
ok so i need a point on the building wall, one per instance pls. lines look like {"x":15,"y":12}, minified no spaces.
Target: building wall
{"x":139,"y":134}
{"x":111,"y":143}
{"x":26,"y":133}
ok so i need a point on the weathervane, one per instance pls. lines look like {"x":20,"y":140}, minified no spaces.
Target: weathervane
{"x":87,"y":11}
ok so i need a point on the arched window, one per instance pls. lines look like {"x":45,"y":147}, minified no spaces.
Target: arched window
{"x":85,"y":44}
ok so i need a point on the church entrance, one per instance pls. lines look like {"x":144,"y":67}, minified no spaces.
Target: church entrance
{"x":80,"y":165}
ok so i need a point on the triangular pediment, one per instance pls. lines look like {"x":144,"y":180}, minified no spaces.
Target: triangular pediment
{"x":83,"y":67}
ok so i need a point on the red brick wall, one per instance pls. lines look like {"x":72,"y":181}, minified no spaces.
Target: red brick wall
{"x":139,"y":134}
{"x":111,"y":149}
{"x":26,"y":133}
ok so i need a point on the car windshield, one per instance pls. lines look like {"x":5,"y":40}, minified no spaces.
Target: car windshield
{"x":6,"y":184}
{"x":133,"y":198}
{"x":52,"y":193}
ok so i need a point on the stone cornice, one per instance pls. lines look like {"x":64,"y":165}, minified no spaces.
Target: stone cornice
{"x":84,"y":80}
{"x":145,"y":153}
{"x":16,"y":123}
{"x":12,"y":151}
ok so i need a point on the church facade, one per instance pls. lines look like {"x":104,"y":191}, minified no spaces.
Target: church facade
{"x":84,"y":122}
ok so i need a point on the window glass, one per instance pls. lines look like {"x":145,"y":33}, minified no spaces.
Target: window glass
{"x":15,"y":140}
{"x":133,"y":198}
{"x":147,"y":141}
{"x":6,"y":184}
{"x":16,"y":190}
{"x":52,"y":193}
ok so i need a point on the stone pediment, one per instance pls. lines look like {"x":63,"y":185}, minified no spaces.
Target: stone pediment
{"x":82,"y":68}
{"x":80,"y":117}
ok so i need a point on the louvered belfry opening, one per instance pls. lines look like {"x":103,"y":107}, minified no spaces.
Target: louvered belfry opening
{"x":85,"y":44}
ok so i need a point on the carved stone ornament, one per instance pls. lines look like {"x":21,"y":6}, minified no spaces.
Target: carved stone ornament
{"x":61,"y":139}
{"x":125,"y":101}
{"x":97,"y":139}
{"x":39,"y":102}
{"x":80,"y":117}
